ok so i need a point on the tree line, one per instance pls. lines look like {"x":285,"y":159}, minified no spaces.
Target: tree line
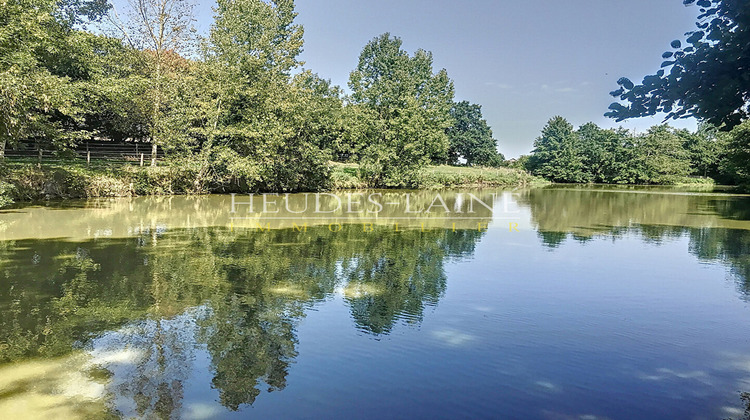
{"x":236,"y":106}
{"x":661,"y":155}
{"x":238,"y":111}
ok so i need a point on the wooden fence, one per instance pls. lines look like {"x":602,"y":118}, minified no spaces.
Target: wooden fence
{"x":126,"y":152}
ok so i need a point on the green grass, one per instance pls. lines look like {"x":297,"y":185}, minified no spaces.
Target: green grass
{"x":695,"y":181}
{"x":460,"y":176}
{"x":346,"y":176}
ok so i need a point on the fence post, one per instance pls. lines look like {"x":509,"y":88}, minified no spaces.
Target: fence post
{"x":88,"y":155}
{"x":141,"y":159}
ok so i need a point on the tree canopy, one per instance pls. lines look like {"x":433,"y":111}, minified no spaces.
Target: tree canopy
{"x":705,"y":77}
{"x":237,"y":108}
{"x":662,"y":155}
{"x":405,"y":107}
{"x":557,"y":154}
{"x":239,"y":112}
{"x":470,"y":137}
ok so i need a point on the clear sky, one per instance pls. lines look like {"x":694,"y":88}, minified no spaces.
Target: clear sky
{"x":524,"y":61}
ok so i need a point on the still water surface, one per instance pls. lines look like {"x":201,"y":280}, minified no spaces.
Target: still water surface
{"x":571,"y":303}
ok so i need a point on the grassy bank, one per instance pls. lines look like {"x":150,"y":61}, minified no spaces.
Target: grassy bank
{"x":346,"y":176}
{"x":23,"y":181}
{"x":459,"y":176}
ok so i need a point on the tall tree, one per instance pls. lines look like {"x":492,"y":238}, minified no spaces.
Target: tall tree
{"x":407,"y":107}
{"x":706,"y":148}
{"x":736,"y":166}
{"x":254,"y":114}
{"x":164,"y":29}
{"x":471,"y":138}
{"x":81,"y":12}
{"x":659,"y":157}
{"x":37,"y":65}
{"x":557,"y":153}
{"x":597,"y":156}
{"x":605,"y":153}
{"x":319,"y":116}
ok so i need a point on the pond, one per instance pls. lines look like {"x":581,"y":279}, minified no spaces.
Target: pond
{"x":549,"y":303}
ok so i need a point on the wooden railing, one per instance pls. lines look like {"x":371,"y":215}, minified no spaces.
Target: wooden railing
{"x":127,"y":152}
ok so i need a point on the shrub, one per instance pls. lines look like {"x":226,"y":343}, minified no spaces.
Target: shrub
{"x":6,"y":194}
{"x":344,"y":177}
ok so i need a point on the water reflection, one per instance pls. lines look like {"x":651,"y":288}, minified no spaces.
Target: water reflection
{"x":123,"y":218}
{"x":143,"y":295}
{"x":252,"y":289}
{"x":717,"y":227}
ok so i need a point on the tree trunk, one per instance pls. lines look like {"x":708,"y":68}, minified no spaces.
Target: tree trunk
{"x":157,"y":107}
{"x":154,"y":148}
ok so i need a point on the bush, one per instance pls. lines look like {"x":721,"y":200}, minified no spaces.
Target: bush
{"x":106,"y":185}
{"x":453,"y":176}
{"x":349,"y":176}
{"x":297,"y":166}
{"x":167,"y":180}
{"x":27,"y":182}
{"x":696,"y":182}
{"x":344,"y":177}
{"x":7,"y":192}
{"x":378,"y":175}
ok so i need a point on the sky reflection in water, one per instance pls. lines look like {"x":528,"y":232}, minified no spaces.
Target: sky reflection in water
{"x":606,"y":303}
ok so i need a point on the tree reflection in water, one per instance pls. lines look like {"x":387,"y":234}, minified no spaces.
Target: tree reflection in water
{"x":146,"y":307}
{"x":718,"y":229}
{"x":237,"y":295}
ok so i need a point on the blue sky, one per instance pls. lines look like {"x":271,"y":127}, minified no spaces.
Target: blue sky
{"x":523,"y":61}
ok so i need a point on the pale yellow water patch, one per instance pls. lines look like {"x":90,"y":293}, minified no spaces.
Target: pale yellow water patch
{"x":291,"y":291}
{"x":52,"y":389}
{"x":152,"y":216}
{"x":355,"y":290}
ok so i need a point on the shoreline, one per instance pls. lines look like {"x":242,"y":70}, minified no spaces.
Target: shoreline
{"x":25,"y":182}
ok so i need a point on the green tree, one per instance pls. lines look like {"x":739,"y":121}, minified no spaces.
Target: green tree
{"x":406,"y":107}
{"x":112,"y":98}
{"x":663,"y":155}
{"x":521,"y":163}
{"x":36,"y":99}
{"x":597,"y":156}
{"x":606,"y":153}
{"x":659,"y":157}
{"x":706,"y":149}
{"x":259,"y":122}
{"x":321,"y":109}
{"x":81,"y":12}
{"x":736,"y":166}
{"x":557,"y":153}
{"x":163,"y":29}
{"x":470,"y":137}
